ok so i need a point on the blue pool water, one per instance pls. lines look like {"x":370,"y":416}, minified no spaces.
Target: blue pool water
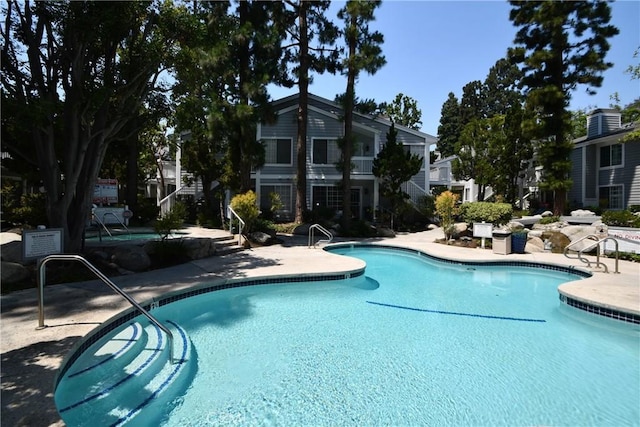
{"x":415,"y":342}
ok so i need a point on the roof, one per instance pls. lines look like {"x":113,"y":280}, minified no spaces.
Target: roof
{"x":334,"y":107}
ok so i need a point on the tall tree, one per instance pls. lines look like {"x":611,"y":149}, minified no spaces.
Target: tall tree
{"x":473,"y":103}
{"x":312,"y":36}
{"x":559,"y":44}
{"x":394,"y":166}
{"x":363,"y":54}
{"x":66,"y":75}
{"x":501,"y":91}
{"x":474,"y":160}
{"x":404,"y":111}
{"x":450,"y":126}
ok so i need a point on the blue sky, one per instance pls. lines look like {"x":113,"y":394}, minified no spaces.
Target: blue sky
{"x":436,"y":47}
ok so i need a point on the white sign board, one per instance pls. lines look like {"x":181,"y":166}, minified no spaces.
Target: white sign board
{"x":481,"y":229}
{"x":105,"y":191}
{"x":628,"y":240}
{"x":40,"y":243}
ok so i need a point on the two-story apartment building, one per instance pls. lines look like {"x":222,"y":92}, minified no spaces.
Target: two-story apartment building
{"x":606,"y":172}
{"x":324,"y":127}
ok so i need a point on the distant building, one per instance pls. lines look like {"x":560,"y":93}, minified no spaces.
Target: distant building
{"x":605,"y":172}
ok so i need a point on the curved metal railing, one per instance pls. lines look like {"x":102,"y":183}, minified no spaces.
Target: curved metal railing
{"x":597,"y":240}
{"x":323,"y":231}
{"x":68,"y":257}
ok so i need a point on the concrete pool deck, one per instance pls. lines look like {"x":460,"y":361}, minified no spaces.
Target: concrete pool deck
{"x":30,"y":357}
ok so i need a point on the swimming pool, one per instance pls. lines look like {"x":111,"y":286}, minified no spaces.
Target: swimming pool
{"x":413,"y":342}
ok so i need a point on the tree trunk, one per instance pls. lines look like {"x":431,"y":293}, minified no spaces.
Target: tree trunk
{"x":303,"y":99}
{"x":348,"y":131}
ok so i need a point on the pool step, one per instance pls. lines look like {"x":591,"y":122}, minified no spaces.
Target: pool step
{"x":116,"y":378}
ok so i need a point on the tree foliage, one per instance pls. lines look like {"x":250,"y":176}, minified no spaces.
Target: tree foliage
{"x":74,"y":74}
{"x":404,"y":111}
{"x":559,"y":45}
{"x":450,"y":126}
{"x":394,"y":166}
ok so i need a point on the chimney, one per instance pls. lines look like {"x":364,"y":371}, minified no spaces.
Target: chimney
{"x":603,"y":121}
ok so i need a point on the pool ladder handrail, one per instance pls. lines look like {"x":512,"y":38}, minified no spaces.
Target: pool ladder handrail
{"x":70,"y":257}
{"x":596,"y":245}
{"x":322,"y":230}
{"x":241,"y":224}
{"x":117,"y":219}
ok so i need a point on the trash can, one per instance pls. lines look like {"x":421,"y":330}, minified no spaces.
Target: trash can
{"x":501,"y":242}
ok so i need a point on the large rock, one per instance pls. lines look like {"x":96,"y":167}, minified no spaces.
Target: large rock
{"x":11,"y":272}
{"x":197,"y":248}
{"x":582,"y":212}
{"x":262,"y":238}
{"x":131,"y":257}
{"x":534,"y":244}
{"x":12,"y":252}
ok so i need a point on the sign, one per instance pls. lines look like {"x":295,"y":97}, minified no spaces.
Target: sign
{"x":105,"y":192}
{"x":481,"y":229}
{"x":127,"y":214}
{"x":40,"y":243}
{"x":628,"y":240}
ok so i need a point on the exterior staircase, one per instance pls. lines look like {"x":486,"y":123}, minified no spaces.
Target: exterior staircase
{"x":226,"y":245}
{"x":125,"y":372}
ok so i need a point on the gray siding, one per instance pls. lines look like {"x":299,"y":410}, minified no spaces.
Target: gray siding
{"x":591,"y":168}
{"x":632,"y":173}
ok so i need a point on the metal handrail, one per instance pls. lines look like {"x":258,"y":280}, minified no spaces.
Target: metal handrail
{"x":595,"y":245}
{"x":323,"y":230}
{"x":117,"y":219}
{"x":69,"y":257}
{"x":240,"y":222}
{"x":103,"y":226}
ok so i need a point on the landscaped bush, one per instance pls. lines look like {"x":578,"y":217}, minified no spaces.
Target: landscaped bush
{"x":494,"y":213}
{"x":621,"y":219}
{"x":549,"y":220}
{"x":170,"y":221}
{"x":447,"y":209}
{"x":246,"y":206}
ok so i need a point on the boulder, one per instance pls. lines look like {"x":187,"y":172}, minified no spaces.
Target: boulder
{"x":546,"y":213}
{"x":582,"y":212}
{"x":131,"y":257}
{"x":11,"y":272}
{"x":12,"y":252}
{"x":262,"y":238}
{"x":302,"y":229}
{"x":534,"y":244}
{"x":385,"y":232}
{"x":198,"y":248}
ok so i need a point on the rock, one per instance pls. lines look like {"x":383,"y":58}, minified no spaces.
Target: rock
{"x":261,"y":238}
{"x":385,"y":232}
{"x":11,"y":272}
{"x":536,"y":233}
{"x":459,"y":228}
{"x":302,"y":229}
{"x":582,"y":212}
{"x":12,"y":252}
{"x":198,"y":248}
{"x":131,"y":257}
{"x":577,"y":232}
{"x":515,"y":225}
{"x":552,"y":226}
{"x":546,"y":213}
{"x":432,"y":227}
{"x":534,"y":244}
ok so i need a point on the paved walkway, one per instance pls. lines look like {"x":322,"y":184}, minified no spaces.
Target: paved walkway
{"x":30,"y":357}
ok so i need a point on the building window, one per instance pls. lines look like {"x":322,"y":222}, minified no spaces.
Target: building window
{"x":325,"y":152}
{"x":331,"y":197}
{"x":284,"y":191}
{"x":277,"y":151}
{"x":611,"y":155}
{"x":611,"y":197}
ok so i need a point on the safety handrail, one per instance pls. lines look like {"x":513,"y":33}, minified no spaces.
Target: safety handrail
{"x":103,"y":226}
{"x":596,"y":245}
{"x":70,"y":257}
{"x":321,"y":229}
{"x":117,"y":219}
{"x":240,"y":222}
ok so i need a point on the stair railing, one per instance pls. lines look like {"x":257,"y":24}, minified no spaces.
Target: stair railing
{"x":69,"y":257}
{"x":241,"y":223}
{"x":323,"y":231}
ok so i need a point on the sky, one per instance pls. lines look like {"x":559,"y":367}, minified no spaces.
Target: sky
{"x":436,"y":47}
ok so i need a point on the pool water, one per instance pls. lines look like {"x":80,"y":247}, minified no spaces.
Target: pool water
{"x":415,"y":342}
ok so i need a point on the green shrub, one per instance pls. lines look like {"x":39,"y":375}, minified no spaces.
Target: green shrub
{"x":246,"y":206}
{"x":494,"y":213}
{"x":426,"y":205}
{"x":549,"y":220}
{"x":634,"y":208}
{"x":170,"y":221}
{"x":447,"y":209}
{"x":621,"y":219}
{"x":32,"y":210}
